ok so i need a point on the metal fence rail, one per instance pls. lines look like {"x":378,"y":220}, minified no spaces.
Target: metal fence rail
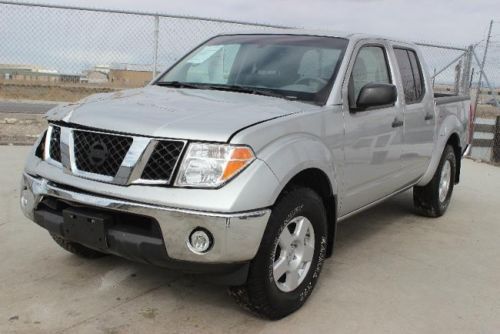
{"x":450,"y":67}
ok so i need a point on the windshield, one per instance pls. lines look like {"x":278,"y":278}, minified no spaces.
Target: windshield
{"x":288,"y":66}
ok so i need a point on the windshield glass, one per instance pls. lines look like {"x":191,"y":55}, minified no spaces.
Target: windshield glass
{"x":289,"y":66}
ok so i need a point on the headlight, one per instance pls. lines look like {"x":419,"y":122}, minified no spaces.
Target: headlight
{"x":212,"y":165}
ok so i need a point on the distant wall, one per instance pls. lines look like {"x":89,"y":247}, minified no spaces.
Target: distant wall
{"x":130,"y":78}
{"x":486,"y":140}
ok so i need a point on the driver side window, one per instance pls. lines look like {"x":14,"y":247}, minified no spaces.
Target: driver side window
{"x":370,"y":67}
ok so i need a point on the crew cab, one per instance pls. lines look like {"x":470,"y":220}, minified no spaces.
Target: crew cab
{"x":239,"y":160}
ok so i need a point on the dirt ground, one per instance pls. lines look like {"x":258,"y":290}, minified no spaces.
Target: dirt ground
{"x":20,"y":129}
{"x":50,"y":92}
{"x":392,"y":272}
{"x":486,"y":111}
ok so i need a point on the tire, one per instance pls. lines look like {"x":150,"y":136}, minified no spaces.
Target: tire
{"x":428,"y":200}
{"x":77,"y":248}
{"x":273,"y":298}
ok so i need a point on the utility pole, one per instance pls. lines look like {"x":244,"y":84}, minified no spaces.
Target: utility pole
{"x":482,"y":68}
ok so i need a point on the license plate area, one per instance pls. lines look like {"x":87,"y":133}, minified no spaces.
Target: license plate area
{"x":86,"y":227}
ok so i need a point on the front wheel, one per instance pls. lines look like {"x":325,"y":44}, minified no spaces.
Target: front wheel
{"x":290,"y":257}
{"x":433,"y":199}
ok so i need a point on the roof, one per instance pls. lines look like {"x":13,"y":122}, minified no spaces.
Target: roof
{"x":319,"y":32}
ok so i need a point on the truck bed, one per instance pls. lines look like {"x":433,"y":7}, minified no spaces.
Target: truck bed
{"x":459,"y":106}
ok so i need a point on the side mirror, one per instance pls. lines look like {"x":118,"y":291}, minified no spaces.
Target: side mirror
{"x":376,"y":94}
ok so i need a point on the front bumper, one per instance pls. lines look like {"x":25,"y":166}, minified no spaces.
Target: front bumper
{"x":236,"y":236}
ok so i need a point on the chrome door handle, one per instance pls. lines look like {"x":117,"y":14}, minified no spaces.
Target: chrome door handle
{"x":397,"y":123}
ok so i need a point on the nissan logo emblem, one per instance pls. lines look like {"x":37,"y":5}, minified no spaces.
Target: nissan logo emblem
{"x":98,"y":153}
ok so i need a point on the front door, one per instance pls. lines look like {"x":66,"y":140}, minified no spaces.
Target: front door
{"x":373,"y":137}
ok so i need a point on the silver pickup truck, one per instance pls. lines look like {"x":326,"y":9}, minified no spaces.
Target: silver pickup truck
{"x":239,"y":160}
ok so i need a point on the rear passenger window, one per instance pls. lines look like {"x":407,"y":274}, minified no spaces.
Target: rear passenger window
{"x":411,"y":75}
{"x":417,"y":74}
{"x":370,"y":67}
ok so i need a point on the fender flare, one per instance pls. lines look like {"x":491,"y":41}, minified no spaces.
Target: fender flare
{"x":292,"y":154}
{"x":448,"y":128}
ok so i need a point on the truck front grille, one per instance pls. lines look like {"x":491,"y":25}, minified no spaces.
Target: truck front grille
{"x":99,"y":156}
{"x":163,"y":160}
{"x":100,"y":153}
{"x":55,"y":144}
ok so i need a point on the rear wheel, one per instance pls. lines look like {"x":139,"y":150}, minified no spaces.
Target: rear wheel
{"x":77,"y":248}
{"x":290,"y":257}
{"x":433,"y":199}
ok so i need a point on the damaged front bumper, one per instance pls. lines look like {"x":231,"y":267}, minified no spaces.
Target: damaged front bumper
{"x":236,"y":237}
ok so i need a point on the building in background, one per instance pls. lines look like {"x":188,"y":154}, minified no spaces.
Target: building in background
{"x":26,"y":72}
{"x":23,"y":72}
{"x":130,"y":75}
{"x":121,"y":75}
{"x":96,"y":75}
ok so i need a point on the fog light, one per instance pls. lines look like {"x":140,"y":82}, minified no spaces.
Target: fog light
{"x":26,"y":200}
{"x":200,"y":241}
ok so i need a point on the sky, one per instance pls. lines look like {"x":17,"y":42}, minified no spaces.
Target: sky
{"x":72,"y":41}
{"x":456,"y":22}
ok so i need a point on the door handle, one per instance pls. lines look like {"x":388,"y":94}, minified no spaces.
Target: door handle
{"x":397,"y":123}
{"x":429,"y":116}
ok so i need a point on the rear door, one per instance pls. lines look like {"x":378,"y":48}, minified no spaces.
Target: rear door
{"x":419,"y":113}
{"x":373,"y":137}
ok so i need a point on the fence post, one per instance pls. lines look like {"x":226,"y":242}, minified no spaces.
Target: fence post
{"x":478,"y":93}
{"x":496,"y":142}
{"x":156,"y":42}
{"x":466,"y":74}
{"x":458,"y":77}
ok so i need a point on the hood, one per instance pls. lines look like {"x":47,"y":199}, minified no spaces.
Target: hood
{"x":192,"y":114}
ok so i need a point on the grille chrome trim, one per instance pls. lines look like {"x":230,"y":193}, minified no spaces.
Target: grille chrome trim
{"x":132,"y":160}
{"x":48,"y":144}
{"x":131,"y":168}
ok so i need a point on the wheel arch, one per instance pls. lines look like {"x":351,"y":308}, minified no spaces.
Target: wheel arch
{"x":303,"y":159}
{"x":453,"y":139}
{"x":318,"y":181}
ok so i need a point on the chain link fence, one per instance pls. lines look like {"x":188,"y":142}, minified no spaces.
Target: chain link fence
{"x":487,"y":57}
{"x":449,"y":67}
{"x":86,"y":47}
{"x":53,"y":44}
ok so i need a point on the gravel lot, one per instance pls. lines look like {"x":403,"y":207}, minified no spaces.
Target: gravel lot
{"x":392,"y":272}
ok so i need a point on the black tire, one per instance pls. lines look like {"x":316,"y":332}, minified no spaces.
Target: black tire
{"x":426,"y":198}
{"x":261,"y":294}
{"x":77,"y":248}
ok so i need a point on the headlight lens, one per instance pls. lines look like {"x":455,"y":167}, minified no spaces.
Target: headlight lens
{"x":212,"y":165}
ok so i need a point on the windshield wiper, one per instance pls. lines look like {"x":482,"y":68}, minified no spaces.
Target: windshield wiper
{"x":231,"y":88}
{"x":178,"y":84}
{"x":251,"y":90}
